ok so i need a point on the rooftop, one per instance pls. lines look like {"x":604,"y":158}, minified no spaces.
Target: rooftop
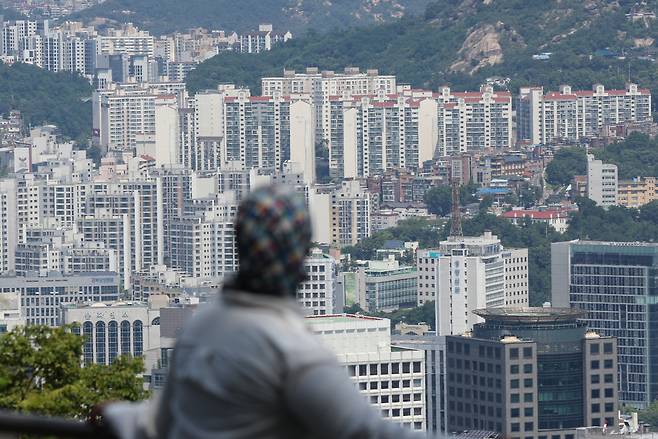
{"x":530,"y":315}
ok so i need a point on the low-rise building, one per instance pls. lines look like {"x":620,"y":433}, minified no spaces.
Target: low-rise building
{"x":637,"y":192}
{"x":556,"y":218}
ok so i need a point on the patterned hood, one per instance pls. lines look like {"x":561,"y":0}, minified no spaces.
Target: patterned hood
{"x":273,"y":234}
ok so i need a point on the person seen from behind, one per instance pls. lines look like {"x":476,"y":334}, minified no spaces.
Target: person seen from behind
{"x":247,"y":366}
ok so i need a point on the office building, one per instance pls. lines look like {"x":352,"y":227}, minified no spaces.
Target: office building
{"x":469,"y":273}
{"x":614,"y":282}
{"x":602,"y":182}
{"x":531,"y":373}
{"x":114,"y":329}
{"x":9,"y":235}
{"x":42,"y":296}
{"x":317,"y":293}
{"x":386,"y":285}
{"x":569,"y":115}
{"x":392,"y":378}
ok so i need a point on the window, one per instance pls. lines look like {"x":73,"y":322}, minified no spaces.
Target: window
{"x":514,"y":369}
{"x":608,"y":378}
{"x":416,"y":366}
{"x":596,"y":408}
{"x":384,"y":399}
{"x":609,"y":392}
{"x":594,"y":348}
{"x":373,"y":369}
{"x":406,"y":412}
{"x":138,"y":340}
{"x":515,"y":426}
{"x":363,"y":370}
{"x":514,"y":413}
{"x":529,"y":426}
{"x":594,"y":364}
{"x":373,"y":385}
{"x":384,"y":368}
{"x":406,"y":367}
{"x":528,"y":411}
{"x":527,"y":368}
{"x":395,"y":412}
{"x":527,"y":352}
{"x":395,"y":398}
{"x":596,"y":393}
{"x":395,"y":384}
{"x":595,"y":379}
{"x":527,"y":397}
{"x":100,"y":342}
{"x":527,"y":382}
{"x":609,"y":406}
{"x":514,"y":397}
{"x":607,"y":348}
{"x":395,"y":368}
{"x":514,"y":384}
{"x":607,"y":364}
{"x":384,"y":384}
{"x":351,"y":370}
{"x":514,"y":353}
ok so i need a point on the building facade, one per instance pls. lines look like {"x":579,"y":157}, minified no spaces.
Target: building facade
{"x":532,"y":373}
{"x":614,"y":282}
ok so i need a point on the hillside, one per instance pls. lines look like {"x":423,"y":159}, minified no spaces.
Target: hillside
{"x":461,"y":43}
{"x":45,"y":97}
{"x":10,"y":14}
{"x":163,"y":16}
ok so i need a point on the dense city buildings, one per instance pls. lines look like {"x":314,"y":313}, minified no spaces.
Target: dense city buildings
{"x":614,"y":283}
{"x":531,"y":372}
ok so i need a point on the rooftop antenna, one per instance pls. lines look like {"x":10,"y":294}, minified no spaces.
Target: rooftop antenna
{"x":456,"y":225}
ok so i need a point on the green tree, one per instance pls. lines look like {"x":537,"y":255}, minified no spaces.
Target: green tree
{"x":41,"y":371}
{"x":566,"y":163}
{"x":439,"y":200}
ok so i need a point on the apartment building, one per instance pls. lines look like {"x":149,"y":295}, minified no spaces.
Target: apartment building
{"x":636,"y":192}
{"x":350,"y":214}
{"x":568,"y":115}
{"x":471,"y":121}
{"x":321,"y":85}
{"x":373,"y":133}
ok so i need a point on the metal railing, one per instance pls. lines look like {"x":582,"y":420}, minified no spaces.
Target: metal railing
{"x":36,"y":425}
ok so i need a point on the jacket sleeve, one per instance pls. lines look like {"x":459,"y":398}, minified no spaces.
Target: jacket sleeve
{"x":323,"y":399}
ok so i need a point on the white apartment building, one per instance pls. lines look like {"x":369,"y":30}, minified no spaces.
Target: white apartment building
{"x":569,"y":115}
{"x":43,"y":296}
{"x":124,"y":114}
{"x":471,"y":121}
{"x":202,"y":241}
{"x":386,"y":285}
{"x":350,"y":214}
{"x":317,"y":293}
{"x":602,"y":182}
{"x":127,"y":41}
{"x":321,"y":85}
{"x":45,"y":250}
{"x":469,"y":273}
{"x":266,"y":131}
{"x":393,"y":379}
{"x":373,"y":133}
{"x":8,"y":220}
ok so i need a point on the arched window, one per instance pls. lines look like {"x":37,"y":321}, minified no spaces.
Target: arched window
{"x":155,"y":321}
{"x":88,"y":349}
{"x":100,"y":342}
{"x":125,"y":337}
{"x":112,"y":340}
{"x":138,"y":338}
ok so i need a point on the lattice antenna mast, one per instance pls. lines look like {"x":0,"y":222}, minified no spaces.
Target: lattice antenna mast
{"x":456,"y":226}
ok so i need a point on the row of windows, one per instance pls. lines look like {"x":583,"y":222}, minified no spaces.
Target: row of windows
{"x":384,"y":368}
